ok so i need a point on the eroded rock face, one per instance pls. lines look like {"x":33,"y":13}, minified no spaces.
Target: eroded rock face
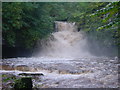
{"x":13,"y":67}
{"x":7,"y":67}
{"x":22,"y":68}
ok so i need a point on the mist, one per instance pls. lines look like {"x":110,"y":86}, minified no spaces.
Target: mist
{"x":68,"y":42}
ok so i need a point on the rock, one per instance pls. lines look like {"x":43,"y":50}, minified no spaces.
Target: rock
{"x":7,"y":67}
{"x":23,"y":83}
{"x":8,"y":81}
{"x":31,"y":74}
{"x":22,"y":68}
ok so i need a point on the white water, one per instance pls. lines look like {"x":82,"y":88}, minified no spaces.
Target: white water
{"x":67,"y":42}
{"x":80,"y":73}
{"x":66,"y":63}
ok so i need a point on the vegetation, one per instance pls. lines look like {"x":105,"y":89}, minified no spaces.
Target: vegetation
{"x":23,"y":83}
{"x":100,"y":21}
{"x":26,"y":23}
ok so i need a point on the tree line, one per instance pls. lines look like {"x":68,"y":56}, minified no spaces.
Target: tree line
{"x":24,"y":23}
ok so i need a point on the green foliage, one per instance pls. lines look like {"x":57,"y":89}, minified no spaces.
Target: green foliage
{"x":11,"y":13}
{"x":110,"y":20}
{"x":23,"y":83}
{"x":100,"y":21}
{"x":25,"y":23}
{"x":110,"y":15}
{"x":6,"y":78}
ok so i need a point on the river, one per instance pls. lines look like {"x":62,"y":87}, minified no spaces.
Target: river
{"x":67,"y":73}
{"x":65,"y":62}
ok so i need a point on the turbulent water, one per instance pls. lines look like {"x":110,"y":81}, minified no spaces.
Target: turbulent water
{"x":67,"y":73}
{"x":66,"y":63}
{"x":66,"y":42}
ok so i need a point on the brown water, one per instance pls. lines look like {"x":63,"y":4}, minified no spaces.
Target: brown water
{"x":66,"y":62}
{"x":75,"y":73}
{"x":66,"y":42}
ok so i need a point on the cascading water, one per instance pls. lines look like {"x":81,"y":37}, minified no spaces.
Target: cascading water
{"x":64,"y":58}
{"x":66,"y":42}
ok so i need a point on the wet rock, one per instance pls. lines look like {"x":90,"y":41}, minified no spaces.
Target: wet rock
{"x":31,"y":74}
{"x":63,"y":72}
{"x":8,"y":81}
{"x":22,"y":68}
{"x":7,"y":67}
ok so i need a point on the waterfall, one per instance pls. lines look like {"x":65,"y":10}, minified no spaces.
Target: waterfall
{"x":65,"y":42}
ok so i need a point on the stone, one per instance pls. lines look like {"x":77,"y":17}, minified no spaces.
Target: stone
{"x":31,"y":74}
{"x":22,"y":68}
{"x":7,"y":67}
